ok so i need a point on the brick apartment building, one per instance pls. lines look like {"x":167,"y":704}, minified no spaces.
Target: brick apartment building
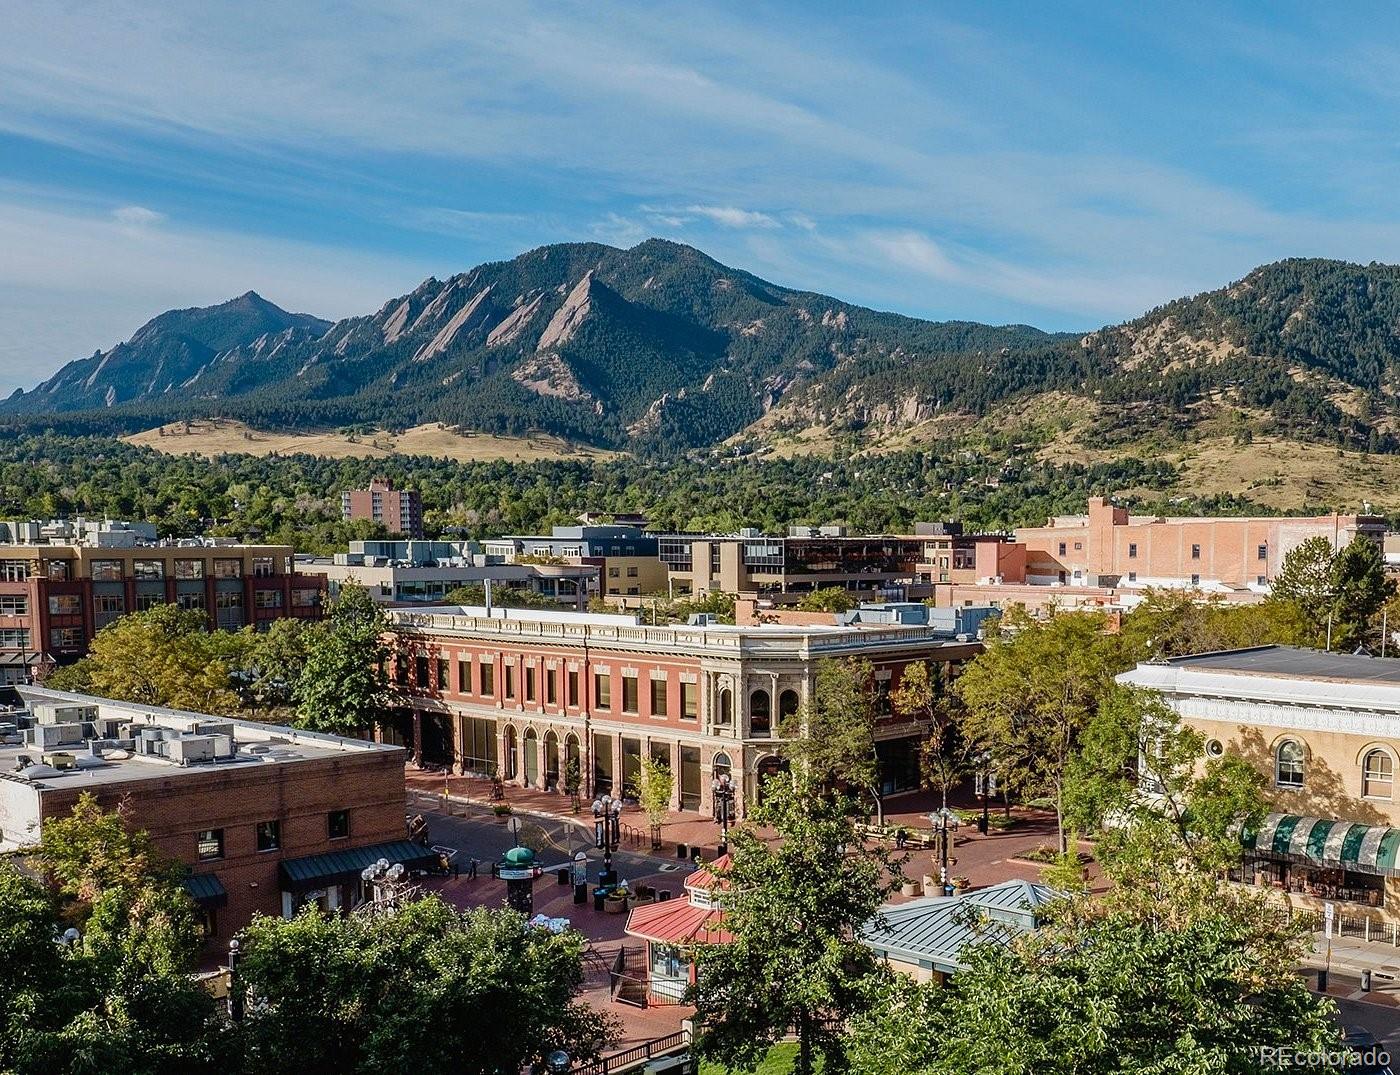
{"x":1109,"y":547}
{"x":266,"y":818}
{"x":56,"y":596}
{"x":524,"y":692}
{"x":400,"y":511}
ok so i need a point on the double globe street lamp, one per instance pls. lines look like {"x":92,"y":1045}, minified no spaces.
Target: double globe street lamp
{"x":722,"y":795}
{"x":607,"y":832}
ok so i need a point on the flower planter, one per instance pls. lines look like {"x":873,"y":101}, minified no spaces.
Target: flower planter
{"x":912,"y":888}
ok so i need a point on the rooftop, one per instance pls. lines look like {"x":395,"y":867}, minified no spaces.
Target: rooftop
{"x":1296,"y":662}
{"x":55,"y":740}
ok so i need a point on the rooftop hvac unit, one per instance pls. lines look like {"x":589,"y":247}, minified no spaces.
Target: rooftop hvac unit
{"x":51,"y":713}
{"x":213,"y":727}
{"x":48,"y":736}
{"x":60,"y":759}
{"x":189,"y":749}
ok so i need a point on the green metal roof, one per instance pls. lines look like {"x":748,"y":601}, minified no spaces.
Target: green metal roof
{"x":336,"y":866}
{"x":1337,"y":844}
{"x":206,"y":890}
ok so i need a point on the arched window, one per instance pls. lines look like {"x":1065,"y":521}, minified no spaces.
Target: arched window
{"x":532,"y":759}
{"x":512,"y":753}
{"x":1289,"y":770}
{"x":721,"y":764}
{"x":760,"y":713}
{"x":788,"y":704}
{"x":726,"y":708}
{"x":1377,"y":775}
{"x":551,"y":761}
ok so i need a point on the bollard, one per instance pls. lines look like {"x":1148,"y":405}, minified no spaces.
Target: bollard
{"x":1322,"y":981}
{"x":682,"y":852}
{"x":1365,"y":981}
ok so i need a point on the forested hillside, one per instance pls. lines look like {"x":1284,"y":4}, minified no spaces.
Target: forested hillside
{"x":661,"y":350}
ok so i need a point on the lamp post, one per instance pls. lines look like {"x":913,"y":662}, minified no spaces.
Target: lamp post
{"x":945,"y":822}
{"x":558,"y":1062}
{"x":235,"y":992}
{"x":607,"y":828}
{"x":985,"y":783}
{"x":722,"y":794}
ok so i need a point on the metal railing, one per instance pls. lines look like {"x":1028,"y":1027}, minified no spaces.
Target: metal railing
{"x":638,"y":1054}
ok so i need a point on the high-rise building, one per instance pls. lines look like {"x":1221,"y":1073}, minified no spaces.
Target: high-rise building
{"x":400,"y":511}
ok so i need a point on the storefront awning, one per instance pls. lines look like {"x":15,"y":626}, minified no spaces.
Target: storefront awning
{"x":206,"y":890}
{"x":1337,"y":844}
{"x":336,"y":867}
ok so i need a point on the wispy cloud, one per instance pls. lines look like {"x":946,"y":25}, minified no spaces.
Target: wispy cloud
{"x":731,"y":216}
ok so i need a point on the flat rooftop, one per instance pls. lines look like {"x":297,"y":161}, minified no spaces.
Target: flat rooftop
{"x":1295,"y":662}
{"x":101,"y":762}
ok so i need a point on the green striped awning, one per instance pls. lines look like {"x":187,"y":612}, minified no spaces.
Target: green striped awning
{"x":1338,"y":844}
{"x":206,"y":890}
{"x":335,"y":867}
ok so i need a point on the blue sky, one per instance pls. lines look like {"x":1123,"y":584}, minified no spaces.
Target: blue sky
{"x":1065,"y":165}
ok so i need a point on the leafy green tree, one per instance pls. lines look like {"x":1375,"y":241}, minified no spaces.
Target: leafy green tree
{"x":344,"y":685}
{"x":164,"y":656}
{"x":655,"y":785}
{"x":474,"y":594}
{"x":1032,"y":692}
{"x":428,"y":989}
{"x":90,"y":851}
{"x":920,"y":696}
{"x":793,"y":905}
{"x":1305,"y":578}
{"x":827,"y":599}
{"x":268,"y":664}
{"x":1174,"y":623}
{"x":1359,"y":590}
{"x":832,"y":735}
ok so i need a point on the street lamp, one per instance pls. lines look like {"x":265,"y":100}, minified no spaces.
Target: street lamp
{"x":944,"y":821}
{"x":235,"y":990}
{"x":985,"y":783}
{"x":722,"y":794}
{"x":558,"y":1062}
{"x":607,"y":828}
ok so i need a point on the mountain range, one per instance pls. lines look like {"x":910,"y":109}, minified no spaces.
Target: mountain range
{"x":662,"y":349}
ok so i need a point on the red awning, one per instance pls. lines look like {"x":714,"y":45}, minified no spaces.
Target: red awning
{"x":707,"y":877}
{"x":677,"y":922}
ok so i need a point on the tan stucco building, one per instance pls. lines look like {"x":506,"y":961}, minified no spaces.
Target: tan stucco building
{"x":1325,"y":730}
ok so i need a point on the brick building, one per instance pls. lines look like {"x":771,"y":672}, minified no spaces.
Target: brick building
{"x":400,"y":511}
{"x":524,"y":692}
{"x":1108,"y":547}
{"x":54,"y":597}
{"x":267,"y":818}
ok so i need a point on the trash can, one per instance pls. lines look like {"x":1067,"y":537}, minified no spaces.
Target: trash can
{"x":580,"y":893}
{"x":1365,"y":981}
{"x":599,"y":898}
{"x":663,"y":895}
{"x":682,"y":852}
{"x":563,"y":874}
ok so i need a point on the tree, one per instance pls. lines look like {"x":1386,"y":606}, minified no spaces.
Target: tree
{"x":164,"y":656}
{"x":1359,"y":589}
{"x":832,"y":736}
{"x":1305,"y":578}
{"x":1032,"y":692}
{"x":344,"y":686}
{"x":91,"y":851}
{"x":269,"y":663}
{"x":827,"y":599}
{"x":427,"y":989}
{"x":944,"y":752}
{"x":793,"y":906}
{"x":502,"y":596}
{"x":655,"y":785}
{"x":1173,"y":623}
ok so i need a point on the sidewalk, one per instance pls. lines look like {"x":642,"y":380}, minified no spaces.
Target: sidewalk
{"x":984,"y":860}
{"x":1351,"y":956}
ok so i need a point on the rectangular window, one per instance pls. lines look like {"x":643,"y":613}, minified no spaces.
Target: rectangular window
{"x":338,"y":824}
{"x":263,"y":567}
{"x":464,"y":676}
{"x":14,"y":637}
{"x":632,"y":572}
{"x":602,"y":690}
{"x":228,"y":569}
{"x":1063,"y":548}
{"x":529,"y":684}
{"x":658,"y":698}
{"x":65,"y":604}
{"x":224,"y":599}
{"x":1078,"y":545}
{"x":1263,"y":551}
{"x":148,"y":570}
{"x":192,"y":602}
{"x":189,"y":569}
{"x":1195,"y":552}
{"x":1195,"y":580}
{"x":1261,"y":580}
{"x":510,"y":681}
{"x":572,"y":685}
{"x":549,"y":687}
{"x":267,"y":598}
{"x":690,"y":701}
{"x":14,"y":570}
{"x":1132,"y":552}
{"x":209,"y":844}
{"x":302,"y":598}
{"x":488,"y":680}
{"x":1132,"y":576}
{"x":420,"y":670}
{"x":65,"y":637}
{"x":444,"y":681}
{"x":613,"y":572}
{"x":629,"y":694}
{"x":14,"y":604}
{"x":108,"y":602}
{"x":59,"y":570}
{"x":269,"y":835}
{"x":147,"y":601}
{"x":107,"y":571}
